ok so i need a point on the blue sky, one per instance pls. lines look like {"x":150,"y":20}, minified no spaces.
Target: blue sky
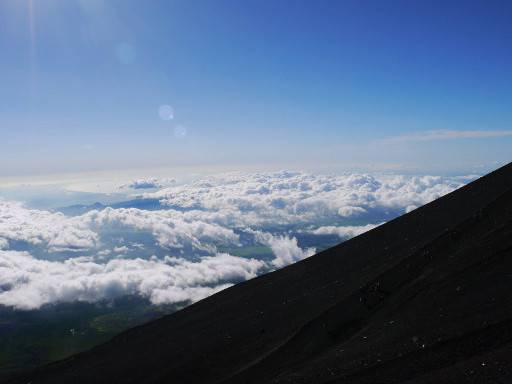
{"x":423,"y":86}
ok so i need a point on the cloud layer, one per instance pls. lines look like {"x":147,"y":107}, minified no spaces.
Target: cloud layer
{"x":343,"y":232}
{"x":254,"y":200}
{"x":149,"y":183}
{"x":48,"y":257}
{"x":28,"y":283}
{"x":54,"y":230}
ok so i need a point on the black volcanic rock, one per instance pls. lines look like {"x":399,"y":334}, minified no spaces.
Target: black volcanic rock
{"x":425,"y":298}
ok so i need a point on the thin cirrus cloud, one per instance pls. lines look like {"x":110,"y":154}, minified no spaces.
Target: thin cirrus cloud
{"x":446,"y":134}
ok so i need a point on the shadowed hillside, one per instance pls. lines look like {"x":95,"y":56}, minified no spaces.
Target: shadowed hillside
{"x":424,"y":298}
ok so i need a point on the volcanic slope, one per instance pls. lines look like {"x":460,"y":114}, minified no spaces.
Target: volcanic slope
{"x":425,"y":298}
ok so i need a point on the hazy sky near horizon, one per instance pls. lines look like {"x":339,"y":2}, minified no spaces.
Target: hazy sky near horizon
{"x":89,"y":85}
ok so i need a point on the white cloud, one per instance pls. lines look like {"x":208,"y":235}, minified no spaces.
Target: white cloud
{"x":200,"y":217}
{"x":344,"y":232}
{"x":169,"y":227}
{"x":349,"y":211}
{"x":4,"y":243}
{"x":28,"y":283}
{"x":58,"y":232}
{"x":286,"y":250}
{"x":54,"y":230}
{"x":447,"y":134}
{"x":148,"y":183}
{"x":410,"y":208}
{"x":256,"y":200}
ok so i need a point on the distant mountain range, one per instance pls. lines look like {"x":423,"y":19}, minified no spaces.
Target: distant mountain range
{"x":424,"y":298}
{"x":80,"y":209}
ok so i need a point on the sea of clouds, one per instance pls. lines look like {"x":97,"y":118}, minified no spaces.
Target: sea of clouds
{"x":49,"y":257}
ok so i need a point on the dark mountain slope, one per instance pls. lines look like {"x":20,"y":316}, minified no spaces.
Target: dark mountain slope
{"x":425,"y":298}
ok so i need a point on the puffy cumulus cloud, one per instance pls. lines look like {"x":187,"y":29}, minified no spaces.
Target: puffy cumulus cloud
{"x":255,"y":200}
{"x":53,"y":230}
{"x":28,"y":283}
{"x":170,"y":228}
{"x":350,"y":211}
{"x":149,"y":183}
{"x":227,"y":210}
{"x":61,"y":233}
{"x":344,"y":232}
{"x":410,"y":208}
{"x":286,"y":249}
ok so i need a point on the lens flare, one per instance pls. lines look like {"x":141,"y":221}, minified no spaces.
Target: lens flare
{"x":166,"y":112}
{"x":180,"y":131}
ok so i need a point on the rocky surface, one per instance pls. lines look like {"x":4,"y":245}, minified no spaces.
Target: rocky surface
{"x":425,"y":298}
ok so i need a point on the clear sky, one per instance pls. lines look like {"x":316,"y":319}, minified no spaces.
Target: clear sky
{"x":421,"y":85}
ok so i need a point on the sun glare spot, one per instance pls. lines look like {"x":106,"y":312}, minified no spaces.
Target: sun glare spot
{"x":166,"y":112}
{"x":180,"y":131}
